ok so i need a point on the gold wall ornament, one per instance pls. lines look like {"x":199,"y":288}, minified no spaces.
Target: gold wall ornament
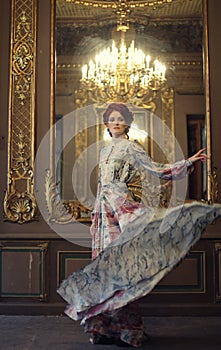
{"x":212,"y":185}
{"x":90,"y":94}
{"x":22,"y":60}
{"x":19,"y":202}
{"x":168,"y":118}
{"x":43,"y":246}
{"x":62,"y":212}
{"x":212,"y":178}
{"x":114,"y":4}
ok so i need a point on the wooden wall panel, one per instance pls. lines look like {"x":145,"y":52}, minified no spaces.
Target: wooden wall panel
{"x":71,"y":261}
{"x":180,"y":280}
{"x":218,"y":271}
{"x":23,"y":269}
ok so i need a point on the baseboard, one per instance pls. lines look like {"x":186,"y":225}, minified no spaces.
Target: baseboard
{"x":154,"y":309}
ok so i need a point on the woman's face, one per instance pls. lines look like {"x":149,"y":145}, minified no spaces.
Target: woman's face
{"x":116,"y":124}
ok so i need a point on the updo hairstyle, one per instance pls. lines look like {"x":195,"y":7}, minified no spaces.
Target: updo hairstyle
{"x":123,"y":110}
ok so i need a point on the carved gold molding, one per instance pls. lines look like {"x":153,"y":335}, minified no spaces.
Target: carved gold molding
{"x":62,"y":212}
{"x":19,"y":202}
{"x":73,"y":209}
{"x":212,"y":178}
{"x":67,"y":66}
{"x":167,"y":97}
{"x":122,"y":4}
{"x":212,"y":184}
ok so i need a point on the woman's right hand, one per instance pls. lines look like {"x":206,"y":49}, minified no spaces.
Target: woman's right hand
{"x":199,"y":156}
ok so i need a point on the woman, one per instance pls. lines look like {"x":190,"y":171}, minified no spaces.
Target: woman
{"x":134,"y":243}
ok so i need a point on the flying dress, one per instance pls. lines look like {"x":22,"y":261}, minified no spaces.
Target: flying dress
{"x":134,"y":242}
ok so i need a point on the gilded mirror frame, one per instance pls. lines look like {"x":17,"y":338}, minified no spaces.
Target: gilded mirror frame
{"x":20,"y":204}
{"x":80,"y":213}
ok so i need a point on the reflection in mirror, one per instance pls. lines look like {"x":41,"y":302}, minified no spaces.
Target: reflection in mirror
{"x":170,"y":31}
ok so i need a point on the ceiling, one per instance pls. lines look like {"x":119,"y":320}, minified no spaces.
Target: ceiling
{"x":169,"y":28}
{"x":81,"y":11}
{"x":174,"y":25}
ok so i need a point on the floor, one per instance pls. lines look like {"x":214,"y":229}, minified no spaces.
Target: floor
{"x":61,"y":333}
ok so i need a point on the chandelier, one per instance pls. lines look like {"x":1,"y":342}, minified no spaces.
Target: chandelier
{"x":121,"y":73}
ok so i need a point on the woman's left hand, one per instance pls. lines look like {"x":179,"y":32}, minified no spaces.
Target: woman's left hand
{"x":199,"y":156}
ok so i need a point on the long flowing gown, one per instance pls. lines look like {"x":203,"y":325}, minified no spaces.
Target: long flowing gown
{"x":135,"y":243}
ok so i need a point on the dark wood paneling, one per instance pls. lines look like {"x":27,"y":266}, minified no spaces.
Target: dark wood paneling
{"x":217,"y":253}
{"x":180,"y":280}
{"x":23,"y":269}
{"x":71,"y":261}
{"x":214,"y":23}
{"x":182,"y":291}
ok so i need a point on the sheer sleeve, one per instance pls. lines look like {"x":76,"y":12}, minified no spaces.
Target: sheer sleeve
{"x":174,"y":171}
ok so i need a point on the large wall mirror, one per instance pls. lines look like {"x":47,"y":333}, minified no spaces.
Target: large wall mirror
{"x":172,"y":31}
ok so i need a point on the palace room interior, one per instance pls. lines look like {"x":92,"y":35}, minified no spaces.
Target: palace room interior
{"x":50,"y":108}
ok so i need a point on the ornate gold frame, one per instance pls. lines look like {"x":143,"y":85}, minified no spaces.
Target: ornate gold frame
{"x":19,"y":202}
{"x":212,"y":184}
{"x":75,"y":211}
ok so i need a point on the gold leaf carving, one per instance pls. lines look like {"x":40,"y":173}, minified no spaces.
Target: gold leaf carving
{"x":43,"y":246}
{"x":22,"y":59}
{"x":214,"y":186}
{"x":19,"y":202}
{"x":62,"y":212}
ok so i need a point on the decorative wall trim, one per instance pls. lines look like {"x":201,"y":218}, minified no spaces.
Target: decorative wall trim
{"x":65,"y":257}
{"x":168,"y":118}
{"x":198,"y":261}
{"x":211,"y":178}
{"x":19,"y":203}
{"x":61,"y":212}
{"x":183,"y":62}
{"x":218,"y":271}
{"x":28,"y":280}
